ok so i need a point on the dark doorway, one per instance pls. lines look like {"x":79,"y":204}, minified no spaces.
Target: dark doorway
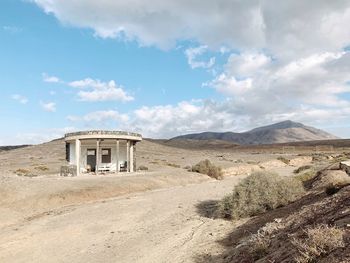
{"x":106,"y":156}
{"x":91,"y":159}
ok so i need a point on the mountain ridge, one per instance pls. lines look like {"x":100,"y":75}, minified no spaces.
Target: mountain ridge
{"x":281,"y":132}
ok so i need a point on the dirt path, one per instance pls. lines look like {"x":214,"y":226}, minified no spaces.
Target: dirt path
{"x":156,"y":226}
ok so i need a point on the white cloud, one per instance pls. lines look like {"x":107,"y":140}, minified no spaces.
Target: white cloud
{"x":288,"y":61}
{"x":97,"y":90}
{"x":282,"y":27}
{"x":229,"y":85}
{"x":192,"y":57}
{"x":101,"y":117}
{"x":21,"y":99}
{"x":37,"y":136}
{"x":50,"y":79}
{"x":317,"y":80}
{"x":247,"y":63}
{"x":49,"y":106}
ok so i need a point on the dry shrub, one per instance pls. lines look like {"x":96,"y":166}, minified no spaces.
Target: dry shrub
{"x":306,"y":176}
{"x":173,"y":165}
{"x":22,"y":172}
{"x":42,"y":168}
{"x":206,"y":167}
{"x":143,"y":168}
{"x":259,"y":245}
{"x":318,"y":242}
{"x":188,"y":168}
{"x":260,"y":192}
{"x":283,"y":159}
{"x":302,"y":169}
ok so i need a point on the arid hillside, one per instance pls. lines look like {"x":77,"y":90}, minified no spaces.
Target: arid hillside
{"x":282,"y":132}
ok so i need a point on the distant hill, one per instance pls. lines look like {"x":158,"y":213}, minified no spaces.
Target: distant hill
{"x":12,"y":147}
{"x":282,"y":132}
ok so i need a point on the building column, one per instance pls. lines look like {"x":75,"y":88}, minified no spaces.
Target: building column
{"x":77,"y":155}
{"x":97,"y":155}
{"x":131,"y":158}
{"x":117,"y":157}
{"x":127,"y":156}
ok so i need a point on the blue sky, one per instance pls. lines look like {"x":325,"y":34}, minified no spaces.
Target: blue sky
{"x":171,"y":67}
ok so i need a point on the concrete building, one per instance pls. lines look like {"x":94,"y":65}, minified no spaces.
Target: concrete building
{"x":102,"y":151}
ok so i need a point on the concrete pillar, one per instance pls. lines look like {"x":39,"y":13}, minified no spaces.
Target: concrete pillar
{"x":117,"y":157}
{"x":131,"y":158}
{"x":97,"y":155}
{"x":134,"y":156}
{"x":77,"y":155}
{"x":127,"y":156}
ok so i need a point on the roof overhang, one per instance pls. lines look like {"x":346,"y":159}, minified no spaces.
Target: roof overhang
{"x":97,"y":134}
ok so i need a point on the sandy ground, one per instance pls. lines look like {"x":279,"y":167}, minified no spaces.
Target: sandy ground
{"x":163,"y":225}
{"x":156,"y":216}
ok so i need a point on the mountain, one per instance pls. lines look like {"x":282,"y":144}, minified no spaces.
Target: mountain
{"x":286,"y":131}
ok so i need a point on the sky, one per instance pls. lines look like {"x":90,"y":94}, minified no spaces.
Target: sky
{"x":165,"y":68}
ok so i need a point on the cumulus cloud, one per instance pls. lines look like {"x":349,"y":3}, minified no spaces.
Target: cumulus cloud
{"x":21,"y":99}
{"x":48,"y":106}
{"x":288,"y":58}
{"x":162,"y":23}
{"x":192,"y":57}
{"x":317,"y":80}
{"x":285,"y":27}
{"x":50,"y":79}
{"x":166,"y":121}
{"x":101,"y":116}
{"x":96,"y":90}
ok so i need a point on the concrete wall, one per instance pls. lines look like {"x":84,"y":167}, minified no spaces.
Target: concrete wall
{"x":91,"y":144}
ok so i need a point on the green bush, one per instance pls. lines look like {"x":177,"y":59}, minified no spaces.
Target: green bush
{"x":258,"y":193}
{"x":206,"y":167}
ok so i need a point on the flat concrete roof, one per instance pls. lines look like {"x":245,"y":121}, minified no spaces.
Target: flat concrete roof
{"x":100,"y":134}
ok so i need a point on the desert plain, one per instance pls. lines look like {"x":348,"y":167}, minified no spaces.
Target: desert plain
{"x":163,"y":214}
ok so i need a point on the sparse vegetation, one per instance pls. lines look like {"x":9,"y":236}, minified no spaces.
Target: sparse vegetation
{"x":308,"y":175}
{"x":42,"y":168}
{"x":206,"y":167}
{"x":283,"y":159}
{"x":260,"y":242}
{"x":173,"y":165}
{"x":143,"y":168}
{"x":188,"y":168}
{"x":317,"y":242}
{"x":258,"y":193}
{"x":22,"y":172}
{"x":302,"y":168}
{"x":260,"y":245}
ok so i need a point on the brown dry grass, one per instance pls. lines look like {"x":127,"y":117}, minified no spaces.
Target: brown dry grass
{"x":206,"y":167}
{"x":317,"y":242}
